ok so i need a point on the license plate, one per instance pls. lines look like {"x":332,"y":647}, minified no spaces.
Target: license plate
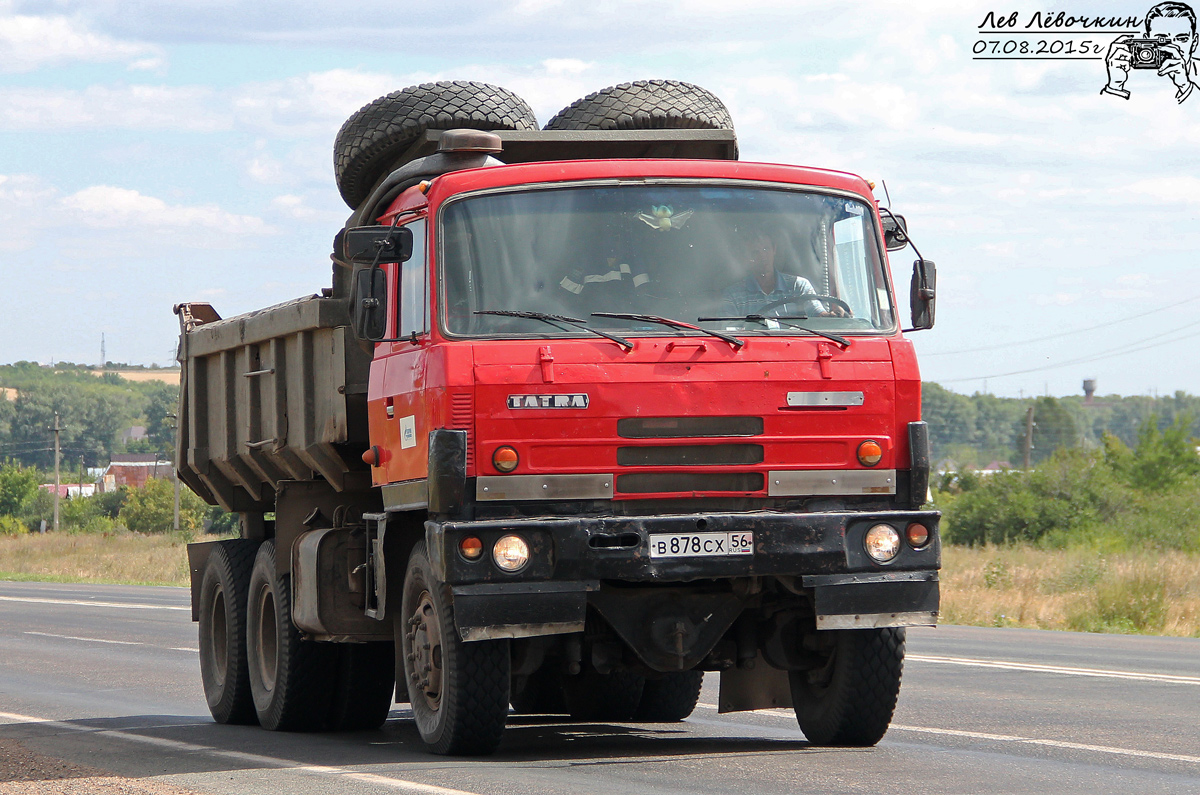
{"x":693,"y":545}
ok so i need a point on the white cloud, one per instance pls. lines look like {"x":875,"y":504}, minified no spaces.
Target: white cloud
{"x":107,"y":207}
{"x":28,"y":43}
{"x":136,"y":107}
{"x":24,"y":200}
{"x":1169,"y":190}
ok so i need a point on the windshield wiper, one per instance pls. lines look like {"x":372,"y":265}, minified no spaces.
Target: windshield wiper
{"x":557,"y":320}
{"x":666,"y":321}
{"x":845,"y":343}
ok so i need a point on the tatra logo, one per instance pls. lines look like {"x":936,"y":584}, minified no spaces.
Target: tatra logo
{"x":547,"y":401}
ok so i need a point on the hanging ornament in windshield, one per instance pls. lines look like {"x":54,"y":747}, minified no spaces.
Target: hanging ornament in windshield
{"x":664,"y":219}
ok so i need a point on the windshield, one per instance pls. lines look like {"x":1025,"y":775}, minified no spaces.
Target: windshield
{"x":746,"y":259}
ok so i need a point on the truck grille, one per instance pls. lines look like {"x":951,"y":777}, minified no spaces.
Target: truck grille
{"x":656,"y":482}
{"x":691,"y":455}
{"x":687,"y":427}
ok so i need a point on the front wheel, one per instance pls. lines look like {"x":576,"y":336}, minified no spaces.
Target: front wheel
{"x":459,"y":691}
{"x":850,"y":700}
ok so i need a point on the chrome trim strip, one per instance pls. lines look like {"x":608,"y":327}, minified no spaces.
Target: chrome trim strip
{"x":878,"y":620}
{"x":824,"y":398}
{"x":543,"y":487}
{"x":830,"y":482}
{"x":410,"y":495}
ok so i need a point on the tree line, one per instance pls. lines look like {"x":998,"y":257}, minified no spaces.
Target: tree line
{"x":93,"y":411}
{"x":972,"y":431}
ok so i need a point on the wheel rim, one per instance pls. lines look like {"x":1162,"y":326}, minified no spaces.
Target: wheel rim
{"x":267,"y":641}
{"x":425,"y":652}
{"x":217,"y":637}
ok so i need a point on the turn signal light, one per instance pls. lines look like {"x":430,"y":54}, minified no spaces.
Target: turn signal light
{"x":870,"y":453}
{"x":917,"y":535}
{"x":471,"y":548}
{"x":505,"y":459}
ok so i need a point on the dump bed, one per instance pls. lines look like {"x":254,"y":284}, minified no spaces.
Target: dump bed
{"x":276,"y":394}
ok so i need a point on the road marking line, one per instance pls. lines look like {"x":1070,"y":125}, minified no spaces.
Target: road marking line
{"x":241,"y":756}
{"x":183,"y":648}
{"x":89,"y":640}
{"x":84,"y":603}
{"x":1057,"y":669}
{"x":1003,"y":738}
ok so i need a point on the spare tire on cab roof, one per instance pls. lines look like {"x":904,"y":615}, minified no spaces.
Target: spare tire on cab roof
{"x":645,"y":105}
{"x":371,"y":140}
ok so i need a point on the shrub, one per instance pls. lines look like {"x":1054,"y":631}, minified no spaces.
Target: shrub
{"x":12,"y":526}
{"x":18,"y":486}
{"x":150,"y":509}
{"x":1073,"y":489}
{"x":222,"y":522}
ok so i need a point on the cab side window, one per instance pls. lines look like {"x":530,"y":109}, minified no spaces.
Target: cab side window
{"x":414,"y":311}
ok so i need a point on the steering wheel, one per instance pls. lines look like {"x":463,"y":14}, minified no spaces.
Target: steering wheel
{"x":802,"y":297}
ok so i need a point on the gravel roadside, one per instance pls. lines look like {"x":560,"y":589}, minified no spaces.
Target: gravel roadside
{"x":23,"y":772}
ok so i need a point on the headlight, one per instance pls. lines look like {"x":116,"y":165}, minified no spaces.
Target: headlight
{"x":882,"y":543}
{"x":511,"y":553}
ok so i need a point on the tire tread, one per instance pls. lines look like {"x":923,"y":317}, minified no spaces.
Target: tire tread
{"x":373,"y":137}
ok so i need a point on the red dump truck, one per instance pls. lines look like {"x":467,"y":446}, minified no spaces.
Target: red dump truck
{"x":588,"y":410}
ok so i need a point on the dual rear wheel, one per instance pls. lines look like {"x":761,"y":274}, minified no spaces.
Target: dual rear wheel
{"x":256,"y":667}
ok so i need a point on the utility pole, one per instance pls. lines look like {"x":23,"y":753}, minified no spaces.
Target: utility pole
{"x":1028,"y":445}
{"x":56,"y":476}
{"x":80,"y":476}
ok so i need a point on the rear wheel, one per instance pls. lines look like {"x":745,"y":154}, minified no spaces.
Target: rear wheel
{"x":671,"y":698}
{"x":539,"y":693}
{"x":290,"y":678}
{"x":366,"y":681}
{"x":614,"y":697}
{"x":459,"y":691}
{"x":223,"y":668}
{"x":850,"y":700}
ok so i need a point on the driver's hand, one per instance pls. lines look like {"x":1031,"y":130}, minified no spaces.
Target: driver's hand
{"x":836,"y":311}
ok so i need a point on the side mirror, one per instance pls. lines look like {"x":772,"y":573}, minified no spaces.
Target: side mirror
{"x":370,"y":304}
{"x":361,"y":244}
{"x":922,"y":294}
{"x":895,"y":231}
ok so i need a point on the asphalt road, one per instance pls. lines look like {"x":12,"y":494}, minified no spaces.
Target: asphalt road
{"x":107,"y":676}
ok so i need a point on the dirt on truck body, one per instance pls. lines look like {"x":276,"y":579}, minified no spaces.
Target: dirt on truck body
{"x":586,"y":412}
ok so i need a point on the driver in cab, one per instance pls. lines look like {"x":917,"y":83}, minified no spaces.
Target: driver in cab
{"x":763,"y":290}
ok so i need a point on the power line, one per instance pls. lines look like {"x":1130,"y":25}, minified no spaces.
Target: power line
{"x":1115,"y":352}
{"x":1061,"y":334}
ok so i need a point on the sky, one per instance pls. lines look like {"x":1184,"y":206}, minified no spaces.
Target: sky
{"x":158,"y":151}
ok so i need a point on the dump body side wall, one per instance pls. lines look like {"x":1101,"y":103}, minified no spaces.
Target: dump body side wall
{"x":278,"y":394}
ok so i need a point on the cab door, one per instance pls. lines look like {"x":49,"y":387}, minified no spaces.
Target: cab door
{"x":401,"y":363}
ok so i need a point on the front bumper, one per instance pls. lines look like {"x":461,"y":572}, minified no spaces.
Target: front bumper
{"x":577,"y":556}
